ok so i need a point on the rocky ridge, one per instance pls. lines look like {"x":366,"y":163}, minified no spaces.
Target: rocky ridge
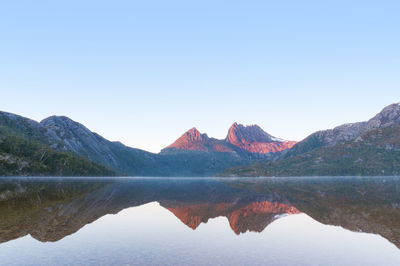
{"x":357,"y":149}
{"x":242,"y":140}
{"x":388,"y":117}
{"x":193,"y":140}
{"x":253,"y":139}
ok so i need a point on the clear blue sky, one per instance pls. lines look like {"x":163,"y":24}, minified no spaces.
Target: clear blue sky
{"x":143,"y":72}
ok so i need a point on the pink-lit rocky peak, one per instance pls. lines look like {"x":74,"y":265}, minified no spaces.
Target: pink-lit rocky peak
{"x":247,"y":138}
{"x":191,"y":140}
{"x":254,"y":139}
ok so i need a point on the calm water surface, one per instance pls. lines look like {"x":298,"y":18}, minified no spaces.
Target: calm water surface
{"x":156,"y":221}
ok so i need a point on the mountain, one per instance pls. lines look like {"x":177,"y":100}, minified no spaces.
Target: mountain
{"x":365,"y":148}
{"x":245,"y":141}
{"x":13,"y":124}
{"x":65,"y":135}
{"x":78,"y":139}
{"x":242,"y":146}
{"x":374,"y":153}
{"x":130,"y":161}
{"x":389,"y":116}
{"x":254,"y":139}
{"x":25,"y":150}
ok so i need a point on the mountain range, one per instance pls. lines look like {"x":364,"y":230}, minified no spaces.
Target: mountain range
{"x":193,"y":154}
{"x":243,"y":140}
{"x":60,"y":146}
{"x":364,"y":148}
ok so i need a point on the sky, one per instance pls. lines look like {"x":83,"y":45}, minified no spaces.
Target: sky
{"x":144,"y":72}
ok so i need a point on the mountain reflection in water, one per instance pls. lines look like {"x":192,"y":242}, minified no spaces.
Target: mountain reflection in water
{"x":51,"y":209}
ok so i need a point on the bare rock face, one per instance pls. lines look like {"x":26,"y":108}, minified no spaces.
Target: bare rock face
{"x":249,"y":139}
{"x":253,"y":133}
{"x":28,"y":128}
{"x":254,"y":139}
{"x":389,"y":116}
{"x":80,"y":140}
{"x":193,"y":140}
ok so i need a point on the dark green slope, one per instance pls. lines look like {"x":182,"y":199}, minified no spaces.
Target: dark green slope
{"x":64,"y":135}
{"x":197,"y":163}
{"x":21,"y":156}
{"x":376,"y":152}
{"x":28,"y":148}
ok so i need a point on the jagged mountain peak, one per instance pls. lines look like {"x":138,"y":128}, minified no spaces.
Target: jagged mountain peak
{"x":192,"y":139}
{"x":254,"y":139}
{"x":194,"y":134}
{"x":193,"y":130}
{"x":243,"y":139}
{"x":389,"y":116}
{"x":251,"y":133}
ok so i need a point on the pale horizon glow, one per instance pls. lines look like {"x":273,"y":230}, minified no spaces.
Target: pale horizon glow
{"x":143,"y":73}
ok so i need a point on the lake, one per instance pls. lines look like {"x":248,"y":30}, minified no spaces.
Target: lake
{"x":200,"y":221}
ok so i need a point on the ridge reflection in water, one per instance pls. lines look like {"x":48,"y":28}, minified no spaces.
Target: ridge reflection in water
{"x":54,"y":210}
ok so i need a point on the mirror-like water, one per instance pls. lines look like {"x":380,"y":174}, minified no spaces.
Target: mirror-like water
{"x":296,"y":221}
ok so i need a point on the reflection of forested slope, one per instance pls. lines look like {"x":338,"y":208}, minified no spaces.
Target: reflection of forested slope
{"x":52,"y":209}
{"x":45,"y":209}
{"x":370,"y":205}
